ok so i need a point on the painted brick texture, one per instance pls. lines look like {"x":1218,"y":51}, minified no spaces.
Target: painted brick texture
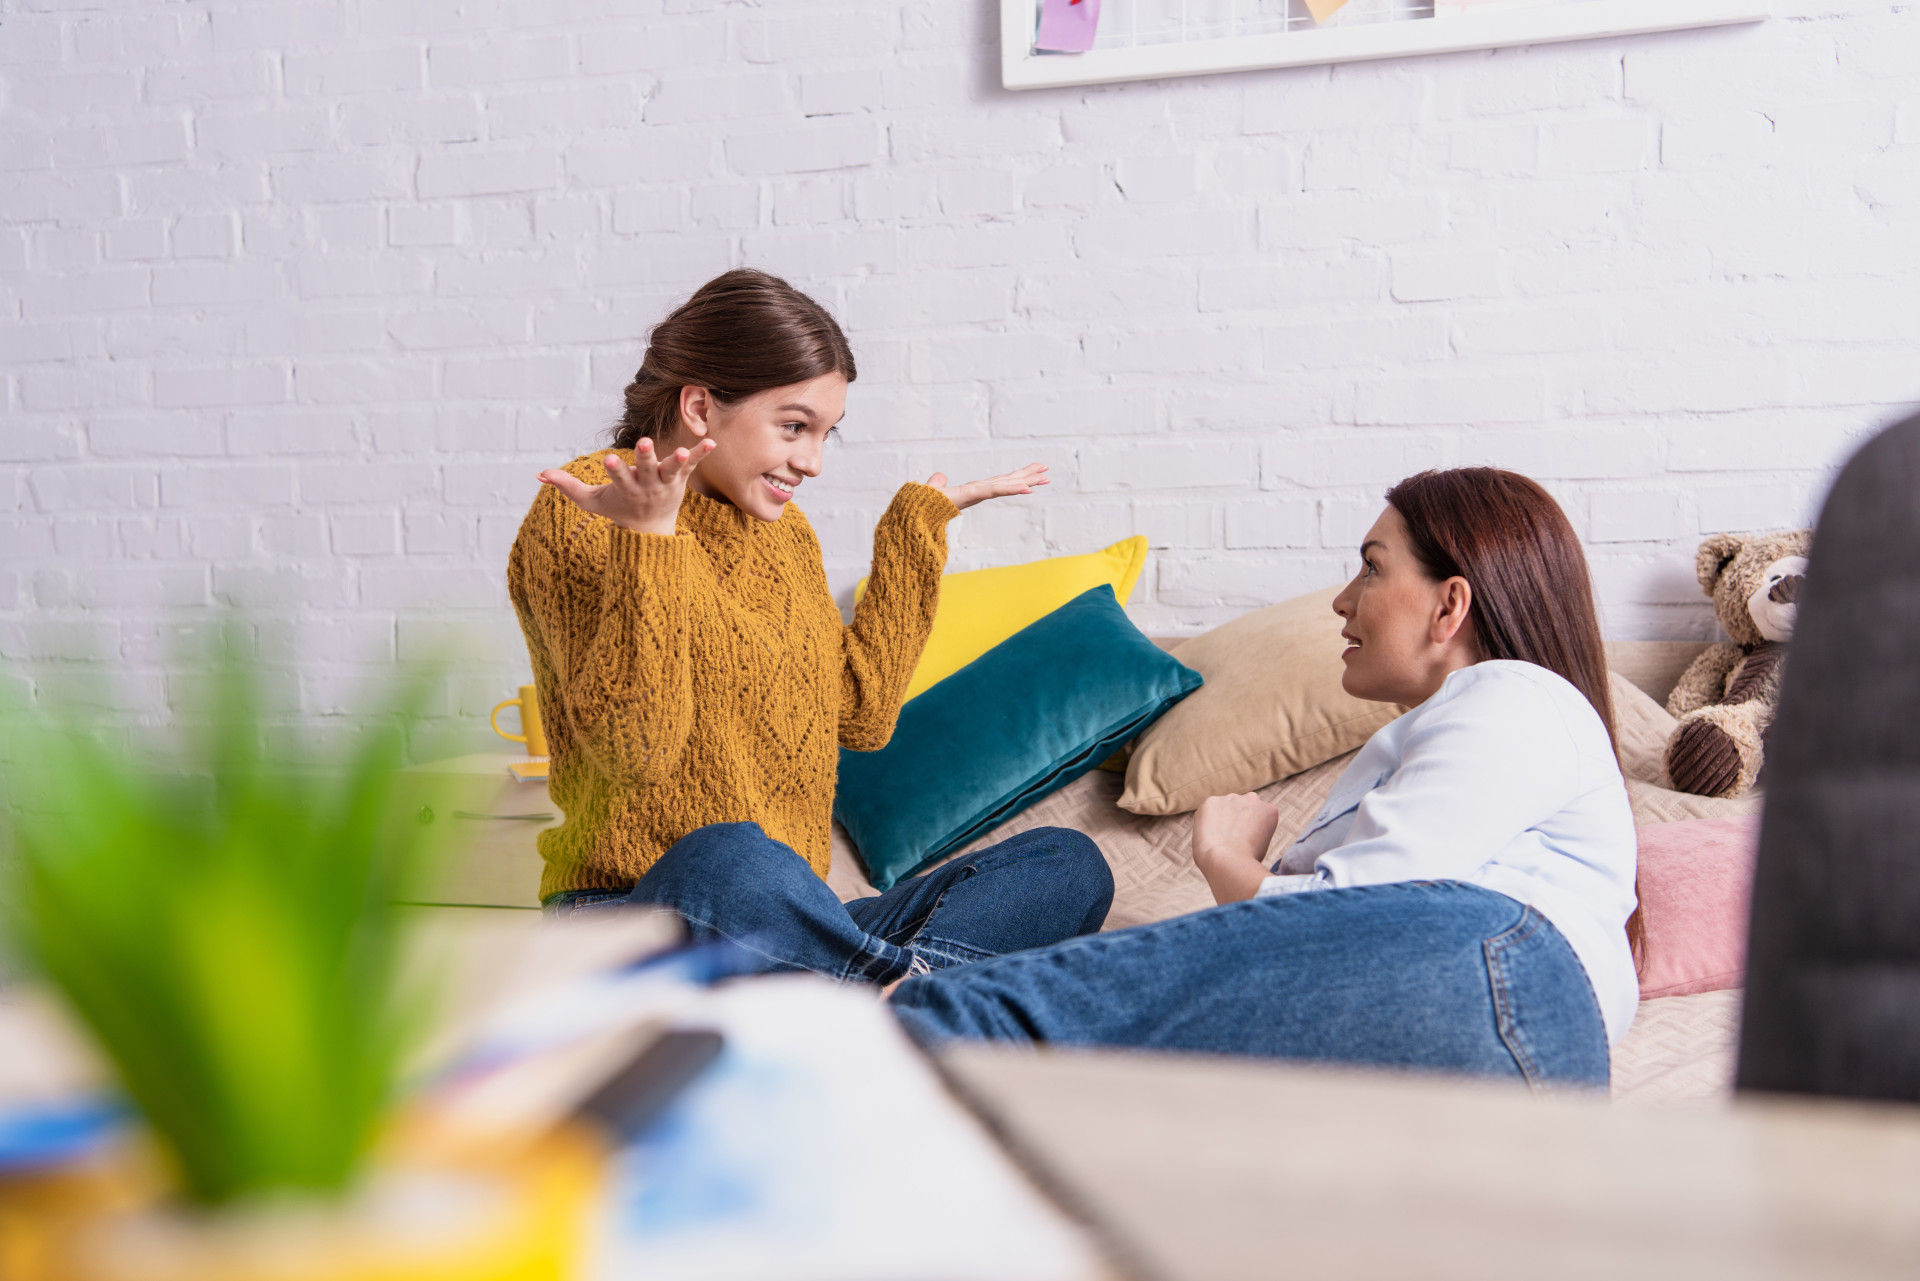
{"x":296,"y":298}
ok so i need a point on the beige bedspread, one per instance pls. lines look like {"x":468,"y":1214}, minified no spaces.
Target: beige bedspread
{"x":1153,"y":871}
{"x":1680,"y":1050}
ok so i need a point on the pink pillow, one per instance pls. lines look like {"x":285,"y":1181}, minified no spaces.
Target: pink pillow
{"x":1695,"y":883}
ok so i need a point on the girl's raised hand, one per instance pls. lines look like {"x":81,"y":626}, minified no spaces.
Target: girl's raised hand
{"x":1024,"y":481}
{"x":644,"y":497}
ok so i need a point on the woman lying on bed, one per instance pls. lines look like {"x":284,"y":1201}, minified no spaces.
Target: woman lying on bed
{"x":1460,"y":903}
{"x":697,"y":683}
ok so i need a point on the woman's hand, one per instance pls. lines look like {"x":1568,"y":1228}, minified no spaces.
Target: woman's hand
{"x":644,"y":497}
{"x":1230,"y":839}
{"x":1024,"y":481}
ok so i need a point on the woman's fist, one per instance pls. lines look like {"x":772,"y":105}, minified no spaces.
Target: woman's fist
{"x":1230,"y":839}
{"x":644,"y":497}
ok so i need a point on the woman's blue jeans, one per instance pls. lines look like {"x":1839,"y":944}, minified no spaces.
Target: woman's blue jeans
{"x":733,"y":881}
{"x":1436,"y":975}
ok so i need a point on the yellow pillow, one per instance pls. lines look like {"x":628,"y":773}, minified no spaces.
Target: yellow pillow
{"x":982,"y":607}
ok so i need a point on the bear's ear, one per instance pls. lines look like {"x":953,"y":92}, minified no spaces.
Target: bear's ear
{"x":1712,"y":559}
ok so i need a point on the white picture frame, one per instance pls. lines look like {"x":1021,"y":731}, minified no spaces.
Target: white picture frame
{"x":1022,"y":68}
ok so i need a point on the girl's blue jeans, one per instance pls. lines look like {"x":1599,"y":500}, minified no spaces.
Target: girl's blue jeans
{"x":1436,"y":975}
{"x":733,"y":881}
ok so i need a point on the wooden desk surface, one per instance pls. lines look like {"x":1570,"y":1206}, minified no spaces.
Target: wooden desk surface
{"x":1221,"y":1169}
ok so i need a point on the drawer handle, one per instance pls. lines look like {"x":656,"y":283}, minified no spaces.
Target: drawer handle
{"x":507,"y":818}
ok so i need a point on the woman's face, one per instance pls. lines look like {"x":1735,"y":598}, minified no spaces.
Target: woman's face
{"x":765,"y":445}
{"x":1405,"y":632}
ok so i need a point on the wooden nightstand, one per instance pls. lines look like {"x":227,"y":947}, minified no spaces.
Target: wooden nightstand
{"x":493,"y":861}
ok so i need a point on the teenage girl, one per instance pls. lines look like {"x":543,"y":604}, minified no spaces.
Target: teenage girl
{"x":1462,"y":901}
{"x":697,"y":683}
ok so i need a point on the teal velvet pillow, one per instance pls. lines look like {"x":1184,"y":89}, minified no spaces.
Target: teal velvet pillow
{"x":1023,"y":720}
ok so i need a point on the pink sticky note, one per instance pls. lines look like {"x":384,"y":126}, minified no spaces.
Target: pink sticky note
{"x":1067,"y":26}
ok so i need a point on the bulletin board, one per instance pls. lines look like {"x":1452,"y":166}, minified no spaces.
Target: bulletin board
{"x":1151,"y":39}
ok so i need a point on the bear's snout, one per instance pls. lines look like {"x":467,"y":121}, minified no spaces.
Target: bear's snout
{"x":1787,"y":590}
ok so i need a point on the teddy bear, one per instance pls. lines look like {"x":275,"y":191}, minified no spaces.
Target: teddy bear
{"x":1726,"y":697}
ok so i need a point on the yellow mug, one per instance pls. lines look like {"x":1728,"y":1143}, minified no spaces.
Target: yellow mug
{"x":530,"y":731}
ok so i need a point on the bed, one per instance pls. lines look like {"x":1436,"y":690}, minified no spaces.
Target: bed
{"x":1680,"y":1050}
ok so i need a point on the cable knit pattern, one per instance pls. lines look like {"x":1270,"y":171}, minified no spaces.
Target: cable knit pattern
{"x":707,"y":677}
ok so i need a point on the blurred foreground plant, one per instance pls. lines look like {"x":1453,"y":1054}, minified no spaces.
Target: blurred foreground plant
{"x":226,"y":926}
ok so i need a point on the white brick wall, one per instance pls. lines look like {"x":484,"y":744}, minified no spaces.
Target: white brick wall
{"x":296,"y":297}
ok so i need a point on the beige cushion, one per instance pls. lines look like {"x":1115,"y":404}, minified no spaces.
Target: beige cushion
{"x":1272,"y":706}
{"x":1654,"y":666}
{"x":1641,"y":728}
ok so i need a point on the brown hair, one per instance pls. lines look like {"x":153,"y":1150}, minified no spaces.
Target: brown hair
{"x":741,"y":333}
{"x":1532,"y":597}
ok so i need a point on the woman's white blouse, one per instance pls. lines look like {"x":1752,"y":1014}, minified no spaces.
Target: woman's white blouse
{"x":1504,"y":779}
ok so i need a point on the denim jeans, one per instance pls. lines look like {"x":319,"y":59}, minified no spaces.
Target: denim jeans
{"x":732,"y":881}
{"x":1437,"y":975}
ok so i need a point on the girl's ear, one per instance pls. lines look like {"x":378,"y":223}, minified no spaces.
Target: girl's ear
{"x":695,"y":406}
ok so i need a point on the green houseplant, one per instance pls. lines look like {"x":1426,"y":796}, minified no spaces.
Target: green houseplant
{"x":226,"y":926}
{"x":230,"y":927}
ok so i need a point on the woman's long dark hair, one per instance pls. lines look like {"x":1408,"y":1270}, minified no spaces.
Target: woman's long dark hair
{"x":1532,"y":597}
{"x":741,"y":333}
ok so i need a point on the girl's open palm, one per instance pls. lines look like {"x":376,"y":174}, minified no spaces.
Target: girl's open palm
{"x":644,"y":497}
{"x":1024,"y":481}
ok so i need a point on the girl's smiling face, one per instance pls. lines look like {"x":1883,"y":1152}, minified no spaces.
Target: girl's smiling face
{"x":1405,"y":632}
{"x":766,"y":445}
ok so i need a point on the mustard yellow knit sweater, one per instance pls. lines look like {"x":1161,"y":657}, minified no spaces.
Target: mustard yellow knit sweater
{"x":706,"y":677}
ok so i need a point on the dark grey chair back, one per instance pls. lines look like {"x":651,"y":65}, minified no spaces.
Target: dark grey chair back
{"x":1833,"y":969}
